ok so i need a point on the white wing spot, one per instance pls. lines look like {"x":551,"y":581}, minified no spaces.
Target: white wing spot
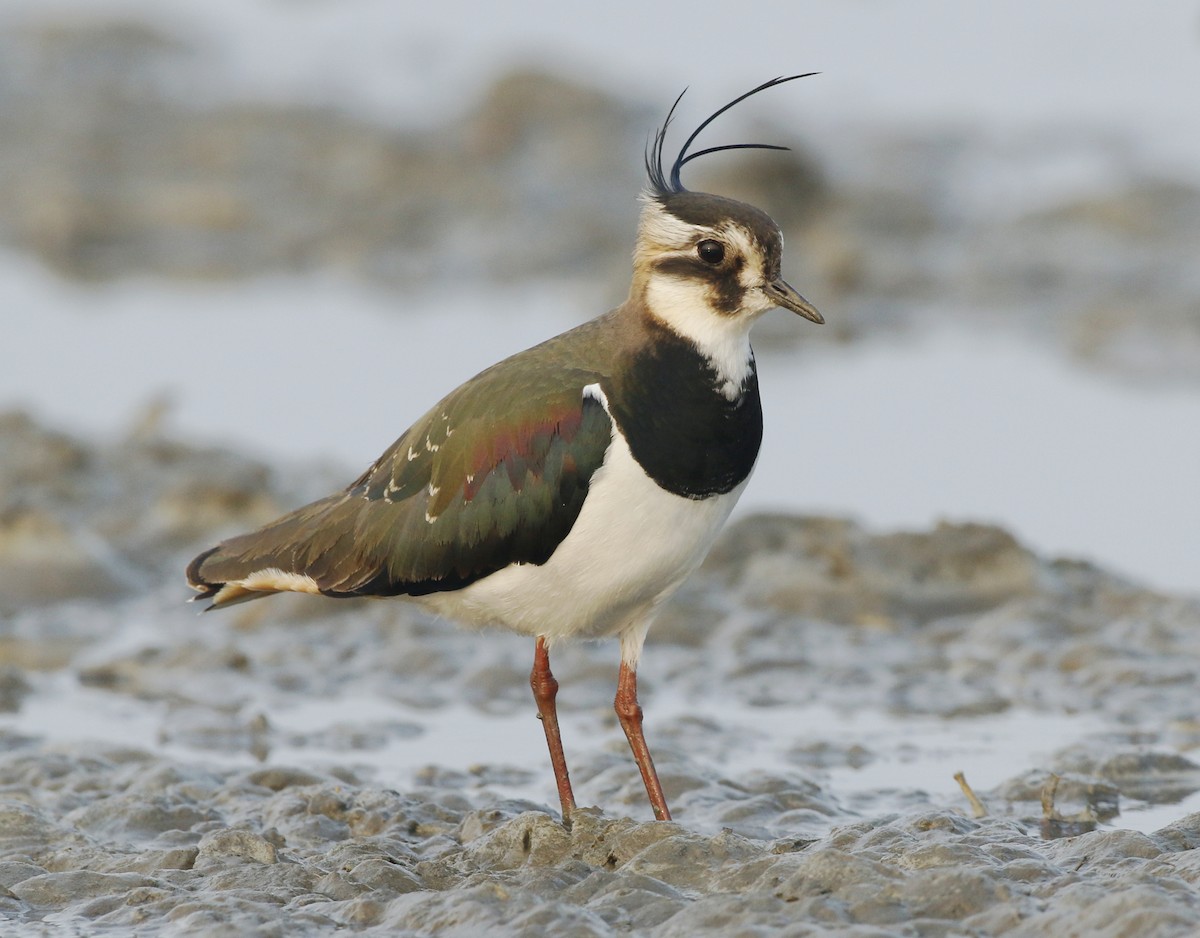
{"x":596,"y":393}
{"x":412,"y":454}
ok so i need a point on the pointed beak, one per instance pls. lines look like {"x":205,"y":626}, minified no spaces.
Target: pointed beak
{"x":782,"y":294}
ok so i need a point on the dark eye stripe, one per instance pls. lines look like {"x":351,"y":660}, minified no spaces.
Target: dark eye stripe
{"x":727,"y":291}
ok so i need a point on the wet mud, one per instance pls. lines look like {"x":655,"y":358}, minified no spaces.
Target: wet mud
{"x":296,"y":766}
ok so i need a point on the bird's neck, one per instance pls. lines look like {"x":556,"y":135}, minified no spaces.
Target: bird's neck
{"x":692,"y":423}
{"x":686,"y":309}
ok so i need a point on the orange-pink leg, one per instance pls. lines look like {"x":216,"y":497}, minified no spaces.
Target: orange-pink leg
{"x":545,"y":689}
{"x":629,"y":712}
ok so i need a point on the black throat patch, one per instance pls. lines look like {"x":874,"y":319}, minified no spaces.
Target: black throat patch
{"x":688,"y":436}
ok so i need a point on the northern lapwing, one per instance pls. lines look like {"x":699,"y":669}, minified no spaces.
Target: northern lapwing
{"x":570,"y":489}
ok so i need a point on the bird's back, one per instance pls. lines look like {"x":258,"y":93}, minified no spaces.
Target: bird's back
{"x":495,"y":473}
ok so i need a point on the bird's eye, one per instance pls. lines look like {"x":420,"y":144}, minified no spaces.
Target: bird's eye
{"x":711,"y":252}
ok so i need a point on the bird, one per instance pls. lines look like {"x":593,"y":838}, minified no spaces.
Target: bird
{"x":569,"y":490}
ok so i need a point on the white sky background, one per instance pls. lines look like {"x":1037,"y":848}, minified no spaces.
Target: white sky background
{"x":897,"y":432}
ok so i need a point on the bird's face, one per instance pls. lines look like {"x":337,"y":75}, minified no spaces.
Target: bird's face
{"x":711,"y":265}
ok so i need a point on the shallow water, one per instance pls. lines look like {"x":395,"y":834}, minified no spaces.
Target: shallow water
{"x":902,"y":758}
{"x":897,"y":431}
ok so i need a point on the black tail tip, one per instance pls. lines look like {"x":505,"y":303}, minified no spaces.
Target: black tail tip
{"x":204,"y":589}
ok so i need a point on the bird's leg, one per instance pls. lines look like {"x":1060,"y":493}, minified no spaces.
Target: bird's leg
{"x":629,"y":712}
{"x":545,"y":689}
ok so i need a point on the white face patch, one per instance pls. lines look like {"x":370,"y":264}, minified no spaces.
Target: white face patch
{"x":659,"y":230}
{"x":724,"y":340}
{"x":687,"y":305}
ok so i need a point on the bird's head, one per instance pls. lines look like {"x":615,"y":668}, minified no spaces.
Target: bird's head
{"x":703,"y":263}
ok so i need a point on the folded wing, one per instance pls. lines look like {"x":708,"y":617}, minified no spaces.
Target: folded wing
{"x":496,"y":474}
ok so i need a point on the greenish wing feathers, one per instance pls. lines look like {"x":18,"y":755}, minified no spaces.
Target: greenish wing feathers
{"x":493,"y":475}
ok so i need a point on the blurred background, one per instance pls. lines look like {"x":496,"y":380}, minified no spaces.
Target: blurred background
{"x":245,"y":243}
{"x":289,"y":226}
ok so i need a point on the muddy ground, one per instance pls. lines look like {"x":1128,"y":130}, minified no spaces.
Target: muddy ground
{"x":221,"y":814}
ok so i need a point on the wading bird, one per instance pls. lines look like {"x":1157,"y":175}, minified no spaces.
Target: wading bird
{"x":570,"y":489}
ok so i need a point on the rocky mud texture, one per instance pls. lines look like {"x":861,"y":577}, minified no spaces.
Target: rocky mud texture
{"x":114,"y":161}
{"x":198,"y":826}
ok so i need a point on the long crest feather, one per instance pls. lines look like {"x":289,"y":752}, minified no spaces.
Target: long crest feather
{"x":662,"y":183}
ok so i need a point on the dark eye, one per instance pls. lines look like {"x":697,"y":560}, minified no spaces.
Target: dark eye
{"x":711,"y":252}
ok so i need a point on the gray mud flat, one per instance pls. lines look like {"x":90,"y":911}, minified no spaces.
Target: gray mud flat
{"x":168,"y":773}
{"x":160,"y":847}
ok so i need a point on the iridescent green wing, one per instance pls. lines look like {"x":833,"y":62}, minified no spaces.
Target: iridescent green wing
{"x":496,"y":474}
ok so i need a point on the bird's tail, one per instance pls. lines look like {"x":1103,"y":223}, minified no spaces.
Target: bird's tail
{"x":284,"y":556}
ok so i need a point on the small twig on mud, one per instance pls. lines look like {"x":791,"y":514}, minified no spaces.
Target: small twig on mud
{"x":1049,"y":812}
{"x":977,"y":808}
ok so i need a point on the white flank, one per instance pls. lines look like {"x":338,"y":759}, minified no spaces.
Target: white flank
{"x":632,"y":546}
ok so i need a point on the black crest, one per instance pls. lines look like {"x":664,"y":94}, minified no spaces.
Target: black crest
{"x":662,"y":184}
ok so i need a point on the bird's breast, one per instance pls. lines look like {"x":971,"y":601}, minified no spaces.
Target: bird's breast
{"x":631,"y":547}
{"x":682,"y":429}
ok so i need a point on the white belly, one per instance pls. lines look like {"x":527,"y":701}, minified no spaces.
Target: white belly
{"x":632,"y":546}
